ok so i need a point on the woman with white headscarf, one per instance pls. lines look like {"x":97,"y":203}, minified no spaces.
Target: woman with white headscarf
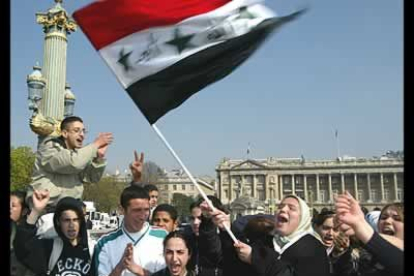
{"x":291,"y":250}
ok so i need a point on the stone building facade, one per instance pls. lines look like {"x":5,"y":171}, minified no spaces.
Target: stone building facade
{"x":374,"y":182}
{"x":176,"y":181}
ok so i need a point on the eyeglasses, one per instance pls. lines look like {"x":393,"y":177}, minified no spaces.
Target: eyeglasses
{"x":78,"y":130}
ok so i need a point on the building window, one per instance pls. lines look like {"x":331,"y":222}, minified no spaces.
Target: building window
{"x":248,"y":179}
{"x":183,"y":187}
{"x":322,"y":196}
{"x":226,"y":193}
{"x":175,"y":187}
{"x":374,"y":195}
{"x":260,"y":180}
{"x":192,"y":188}
{"x":311,"y":197}
{"x":361,"y":195}
{"x":335,"y":193}
{"x":261,"y":194}
{"x":386,"y":194}
{"x":400,"y":194}
{"x":300,"y":194}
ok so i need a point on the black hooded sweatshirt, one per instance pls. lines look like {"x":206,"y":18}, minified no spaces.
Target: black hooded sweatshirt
{"x":35,"y":253}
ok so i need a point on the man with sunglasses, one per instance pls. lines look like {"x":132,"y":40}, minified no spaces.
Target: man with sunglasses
{"x":63,"y":164}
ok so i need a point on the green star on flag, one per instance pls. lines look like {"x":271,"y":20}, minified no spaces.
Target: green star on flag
{"x":181,"y":41}
{"x":123,"y":60}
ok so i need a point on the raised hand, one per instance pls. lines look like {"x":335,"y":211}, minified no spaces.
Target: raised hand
{"x":350,"y":214}
{"x":341,"y":243}
{"x":129,"y":255}
{"x":348,"y":210}
{"x":343,"y":228}
{"x":103,"y":139}
{"x":122,"y":262}
{"x":137,"y":167}
{"x":129,"y":262}
{"x":40,"y":199}
{"x":102,"y":151}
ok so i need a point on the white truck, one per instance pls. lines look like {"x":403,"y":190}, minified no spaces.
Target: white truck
{"x":100,"y":220}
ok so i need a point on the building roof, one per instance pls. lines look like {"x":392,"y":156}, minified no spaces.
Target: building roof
{"x":247,"y":202}
{"x":178,"y":176}
{"x":302,"y":163}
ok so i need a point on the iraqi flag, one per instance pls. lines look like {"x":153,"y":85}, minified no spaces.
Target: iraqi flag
{"x":164,"y":51}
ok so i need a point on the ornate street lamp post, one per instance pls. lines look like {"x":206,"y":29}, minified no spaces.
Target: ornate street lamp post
{"x":50,"y":98}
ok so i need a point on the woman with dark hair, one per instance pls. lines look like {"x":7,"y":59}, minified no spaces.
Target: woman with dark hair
{"x":259,"y":229}
{"x":383,"y":250}
{"x":391,"y":222}
{"x":177,"y":253}
{"x":18,"y":207}
{"x":205,"y":240}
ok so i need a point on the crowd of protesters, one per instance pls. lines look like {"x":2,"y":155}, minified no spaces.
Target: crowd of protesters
{"x":49,"y":232}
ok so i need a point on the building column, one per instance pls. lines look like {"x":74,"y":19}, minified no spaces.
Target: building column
{"x":266,"y":187}
{"x":356,"y":186}
{"x":281,"y":188}
{"x":231,"y":187}
{"x":382,"y":187}
{"x":369,"y":187}
{"x":276,"y":188}
{"x":243,"y":185}
{"x":317,"y":188}
{"x":330,"y":188}
{"x":342,"y":183}
{"x":293,"y":184}
{"x":305,"y":187}
{"x":254,"y":186}
{"x":395,"y":187}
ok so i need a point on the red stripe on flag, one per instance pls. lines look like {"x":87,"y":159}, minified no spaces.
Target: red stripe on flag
{"x":107,"y":21}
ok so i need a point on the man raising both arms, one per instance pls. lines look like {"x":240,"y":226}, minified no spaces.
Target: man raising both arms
{"x":62,"y":164}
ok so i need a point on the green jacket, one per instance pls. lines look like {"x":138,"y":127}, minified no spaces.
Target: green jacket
{"x":63,"y":171}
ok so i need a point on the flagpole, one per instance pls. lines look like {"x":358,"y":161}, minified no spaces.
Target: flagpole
{"x":337,"y":144}
{"x":191,"y":177}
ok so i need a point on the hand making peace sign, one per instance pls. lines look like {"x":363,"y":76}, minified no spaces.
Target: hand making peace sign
{"x":137,"y":167}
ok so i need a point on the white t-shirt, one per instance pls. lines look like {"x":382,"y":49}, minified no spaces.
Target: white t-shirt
{"x":148,"y":249}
